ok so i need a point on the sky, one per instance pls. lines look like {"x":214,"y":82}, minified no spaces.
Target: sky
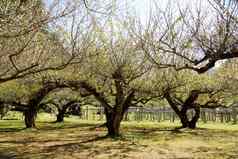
{"x":143,"y":7}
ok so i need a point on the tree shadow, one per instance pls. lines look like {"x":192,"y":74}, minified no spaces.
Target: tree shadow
{"x":11,"y":130}
{"x":91,"y":148}
{"x":95,"y":143}
{"x":51,"y":126}
{"x":7,"y":155}
{"x":95,"y":139}
{"x":168,"y":133}
{"x":147,"y":131}
{"x":56,"y":126}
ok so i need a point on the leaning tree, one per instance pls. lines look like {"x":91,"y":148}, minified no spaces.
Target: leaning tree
{"x":185,"y":92}
{"x":31,"y":101}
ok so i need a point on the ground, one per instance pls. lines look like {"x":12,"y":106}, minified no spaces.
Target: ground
{"x":79,"y":139}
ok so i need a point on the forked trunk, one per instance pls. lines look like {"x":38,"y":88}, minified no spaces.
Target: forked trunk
{"x":189,"y":103}
{"x":186,"y":123}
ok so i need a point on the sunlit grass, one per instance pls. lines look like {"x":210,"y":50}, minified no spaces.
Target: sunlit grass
{"x":76,"y":138}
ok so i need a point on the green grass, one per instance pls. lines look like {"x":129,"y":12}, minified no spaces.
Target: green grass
{"x":141,"y":140}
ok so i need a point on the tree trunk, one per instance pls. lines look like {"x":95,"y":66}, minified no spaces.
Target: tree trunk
{"x":60,"y":116}
{"x":187,"y":104}
{"x":113,"y":123}
{"x":183,"y":117}
{"x":62,"y":111}
{"x":186,"y":123}
{"x":30,"y":116}
{"x":193,"y":122}
{"x":184,"y":120}
{"x":2,"y":111}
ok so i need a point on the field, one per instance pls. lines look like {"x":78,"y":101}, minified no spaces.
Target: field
{"x":79,"y":139}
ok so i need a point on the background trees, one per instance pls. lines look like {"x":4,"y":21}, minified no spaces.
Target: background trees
{"x":109,"y":54}
{"x":63,"y":102}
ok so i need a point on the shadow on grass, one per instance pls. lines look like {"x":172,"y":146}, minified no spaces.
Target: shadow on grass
{"x":148,"y":131}
{"x":7,"y":155}
{"x":167,"y":133}
{"x":92,"y":148}
{"x":47,"y":126}
{"x":46,"y":141}
{"x":55,"y":126}
{"x":11,"y":130}
{"x":95,"y":139}
{"x":89,"y":144}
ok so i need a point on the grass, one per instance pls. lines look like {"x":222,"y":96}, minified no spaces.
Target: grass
{"x":78,"y":139}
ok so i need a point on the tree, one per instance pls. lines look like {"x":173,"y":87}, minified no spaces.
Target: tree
{"x":188,"y":38}
{"x":64,"y":101}
{"x":112,"y":75}
{"x":62,"y":110}
{"x":36,"y":38}
{"x":33,"y":37}
{"x":30,"y":105}
{"x":190,"y":103}
{"x":186,"y":93}
{"x":227,"y":74}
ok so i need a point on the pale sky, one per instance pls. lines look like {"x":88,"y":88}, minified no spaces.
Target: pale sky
{"x":143,"y":7}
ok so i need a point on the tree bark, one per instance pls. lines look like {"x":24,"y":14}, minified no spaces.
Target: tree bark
{"x":193,"y":122}
{"x":114,"y":114}
{"x":60,"y":116}
{"x":186,"y":123}
{"x":183,"y":117}
{"x":30,"y":116}
{"x":62,"y":111}
{"x":113,"y":123}
{"x":37,"y":97}
{"x":187,"y":104}
{"x":184,"y":120}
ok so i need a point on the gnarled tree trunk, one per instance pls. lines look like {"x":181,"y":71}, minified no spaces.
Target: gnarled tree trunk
{"x":115,"y":116}
{"x":188,"y":104}
{"x":30,"y":117}
{"x":193,"y":122}
{"x":113,"y":122}
{"x":186,"y":123}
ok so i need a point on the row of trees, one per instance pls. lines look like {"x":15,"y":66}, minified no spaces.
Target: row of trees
{"x":109,"y":57}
